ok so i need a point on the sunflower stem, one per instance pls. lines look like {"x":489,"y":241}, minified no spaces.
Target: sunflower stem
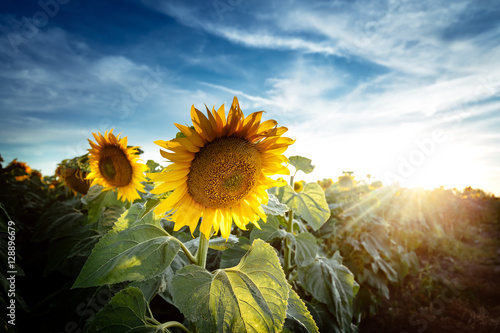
{"x":203,"y":250}
{"x":288,"y":245}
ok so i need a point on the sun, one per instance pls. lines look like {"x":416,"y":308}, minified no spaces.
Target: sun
{"x":221,"y":170}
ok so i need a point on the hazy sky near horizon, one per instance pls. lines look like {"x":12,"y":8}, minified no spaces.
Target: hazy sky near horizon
{"x":405,"y":90}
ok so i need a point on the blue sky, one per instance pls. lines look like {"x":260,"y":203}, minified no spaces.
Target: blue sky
{"x":402,"y":90}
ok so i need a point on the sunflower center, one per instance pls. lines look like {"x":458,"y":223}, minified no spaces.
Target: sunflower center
{"x":224,"y":172}
{"x":115,"y":166}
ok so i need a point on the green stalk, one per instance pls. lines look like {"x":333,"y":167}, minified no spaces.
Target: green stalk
{"x":289,"y":228}
{"x":203,"y":250}
{"x":288,"y":246}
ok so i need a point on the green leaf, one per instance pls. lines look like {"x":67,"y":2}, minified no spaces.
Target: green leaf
{"x":154,"y":285}
{"x":125,"y":311}
{"x":269,"y":230}
{"x":249,"y":297}
{"x":136,"y":215}
{"x":375,"y":245}
{"x":310,"y":203}
{"x":134,"y":254}
{"x":274,"y":207}
{"x":388,"y":270}
{"x":149,"y":206}
{"x":96,"y":200}
{"x":332,"y":284}
{"x":377,"y":280}
{"x":298,"y":313}
{"x":306,"y":249}
{"x":301,"y":163}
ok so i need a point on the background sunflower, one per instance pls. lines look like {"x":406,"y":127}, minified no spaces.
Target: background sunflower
{"x":115,"y":166}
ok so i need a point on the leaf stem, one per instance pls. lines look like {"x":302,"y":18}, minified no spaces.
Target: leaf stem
{"x":174,"y":324}
{"x":192,"y":259}
{"x":288,"y":245}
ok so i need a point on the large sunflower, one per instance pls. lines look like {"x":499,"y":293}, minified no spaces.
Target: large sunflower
{"x":220,"y":169}
{"x":115,"y":166}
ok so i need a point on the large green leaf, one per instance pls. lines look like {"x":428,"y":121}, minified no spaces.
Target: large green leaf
{"x":306,"y":249}
{"x":134,"y":254}
{"x":125,"y":312}
{"x":310,"y":203}
{"x":297,"y":312}
{"x":250,"y":297}
{"x":333,"y":284}
{"x":301,"y":163}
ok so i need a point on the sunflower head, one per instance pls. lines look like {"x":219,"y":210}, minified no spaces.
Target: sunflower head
{"x":346,"y":182}
{"x":298,"y":186}
{"x":220,"y":170}
{"x":375,"y":185}
{"x":22,"y":171}
{"x":115,"y":166}
{"x":74,"y":178}
{"x":325,"y":183}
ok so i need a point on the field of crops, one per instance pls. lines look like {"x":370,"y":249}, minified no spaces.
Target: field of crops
{"x":346,"y":254}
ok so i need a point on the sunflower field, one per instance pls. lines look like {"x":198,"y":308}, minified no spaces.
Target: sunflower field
{"x":226,"y":238}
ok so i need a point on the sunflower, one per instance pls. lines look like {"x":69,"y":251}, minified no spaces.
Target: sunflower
{"x":298,"y":186}
{"x":220,"y":170}
{"x":346,"y":182}
{"x":325,"y":183}
{"x":74,"y":179}
{"x":115,"y":166}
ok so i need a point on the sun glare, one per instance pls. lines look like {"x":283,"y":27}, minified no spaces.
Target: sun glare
{"x":452,"y":167}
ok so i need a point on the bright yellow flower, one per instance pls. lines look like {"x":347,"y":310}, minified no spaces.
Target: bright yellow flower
{"x":115,"y":166}
{"x":220,"y":169}
{"x":298,"y":186}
